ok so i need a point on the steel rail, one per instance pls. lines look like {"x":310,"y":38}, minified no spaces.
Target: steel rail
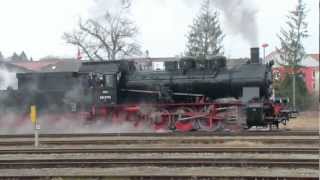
{"x":148,"y":140}
{"x":269,"y":150}
{"x":160,"y":162}
{"x":171,"y":177}
{"x":170,"y":134}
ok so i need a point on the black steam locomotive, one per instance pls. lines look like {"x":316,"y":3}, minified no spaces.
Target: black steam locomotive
{"x":190,"y":94}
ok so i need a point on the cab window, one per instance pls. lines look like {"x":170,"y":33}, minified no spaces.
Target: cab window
{"x":108,"y":81}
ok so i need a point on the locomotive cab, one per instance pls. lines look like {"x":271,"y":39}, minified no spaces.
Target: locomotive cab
{"x":108,"y":92}
{"x":104,"y":81}
{"x":104,"y":88}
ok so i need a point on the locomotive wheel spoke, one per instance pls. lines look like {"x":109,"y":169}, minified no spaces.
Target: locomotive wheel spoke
{"x":185,"y":121}
{"x":161,"y":120}
{"x":204,"y":124}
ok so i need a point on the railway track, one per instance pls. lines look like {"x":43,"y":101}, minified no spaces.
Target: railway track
{"x":170,"y":134}
{"x":269,"y":150}
{"x":294,"y":162}
{"x":156,"y":173}
{"x":160,"y":162}
{"x":188,"y":157}
{"x":313,"y":140}
{"x":162,"y":168}
{"x":277,"y":137}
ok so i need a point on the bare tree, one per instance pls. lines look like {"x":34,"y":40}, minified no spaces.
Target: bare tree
{"x":111,"y":38}
{"x":126,"y":3}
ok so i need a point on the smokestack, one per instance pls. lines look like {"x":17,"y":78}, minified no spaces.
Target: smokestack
{"x":255,"y":57}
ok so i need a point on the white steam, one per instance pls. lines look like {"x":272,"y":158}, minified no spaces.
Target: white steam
{"x":7,"y":79}
{"x":12,"y":124}
{"x":73,"y":125}
{"x":15,"y":120}
{"x":240,"y":16}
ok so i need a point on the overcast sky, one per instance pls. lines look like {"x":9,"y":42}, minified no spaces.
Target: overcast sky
{"x":36,"y":26}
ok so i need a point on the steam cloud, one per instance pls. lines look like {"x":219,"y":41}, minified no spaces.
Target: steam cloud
{"x":7,"y":79}
{"x":11,"y":124}
{"x":13,"y":121}
{"x":240,"y":16}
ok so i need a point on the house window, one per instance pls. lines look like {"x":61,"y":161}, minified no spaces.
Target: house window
{"x":313,"y":74}
{"x":314,"y":85}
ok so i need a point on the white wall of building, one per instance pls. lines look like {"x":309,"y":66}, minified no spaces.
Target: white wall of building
{"x":308,"y":61}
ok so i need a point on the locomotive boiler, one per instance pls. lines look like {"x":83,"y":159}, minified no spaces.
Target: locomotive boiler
{"x":191,"y":94}
{"x":197,"y":78}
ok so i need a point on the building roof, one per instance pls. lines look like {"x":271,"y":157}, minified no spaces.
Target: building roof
{"x":62,"y":66}
{"x":33,"y":65}
{"x":13,"y":67}
{"x":314,"y":56}
{"x":49,"y":65}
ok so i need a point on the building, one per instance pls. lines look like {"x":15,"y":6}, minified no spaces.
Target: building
{"x":43,"y":65}
{"x":63,"y":66}
{"x":67,"y":65}
{"x":8,"y":69}
{"x":309,"y":69}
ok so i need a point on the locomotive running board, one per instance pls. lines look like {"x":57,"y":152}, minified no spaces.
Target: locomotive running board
{"x":158,"y":92}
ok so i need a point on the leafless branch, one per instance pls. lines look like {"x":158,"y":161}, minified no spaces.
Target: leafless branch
{"x":113,"y":37}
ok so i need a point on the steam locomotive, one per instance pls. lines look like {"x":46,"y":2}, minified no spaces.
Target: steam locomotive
{"x":191,"y":94}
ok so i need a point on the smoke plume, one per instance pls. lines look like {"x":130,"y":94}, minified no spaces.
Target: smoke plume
{"x":240,"y":16}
